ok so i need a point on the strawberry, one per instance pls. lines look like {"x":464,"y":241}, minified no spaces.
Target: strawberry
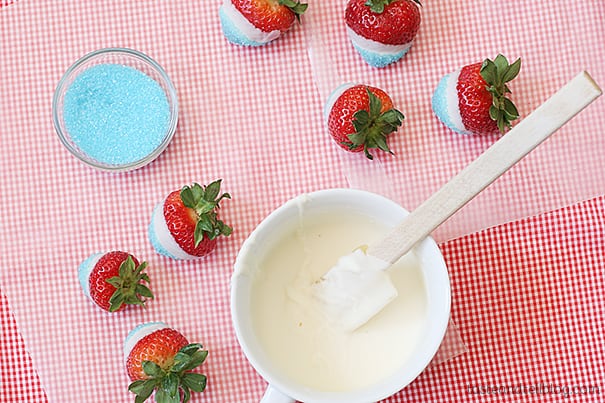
{"x":161,"y":359}
{"x":360,"y":118}
{"x":185,"y":225}
{"x":479,"y":91}
{"x":114,"y":279}
{"x":257,"y":22}
{"x":382,"y":31}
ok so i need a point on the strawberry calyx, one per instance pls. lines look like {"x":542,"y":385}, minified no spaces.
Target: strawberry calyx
{"x":378,"y":6}
{"x":373,"y":126}
{"x":296,"y":7}
{"x":175,"y":382}
{"x":130,"y":289}
{"x":204,"y":201}
{"x":496,"y":74}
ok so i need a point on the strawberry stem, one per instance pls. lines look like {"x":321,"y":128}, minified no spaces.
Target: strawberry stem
{"x":296,"y":7}
{"x":378,"y":6}
{"x":373,"y":126}
{"x":204,"y":200}
{"x":496,"y":74}
{"x":130,"y":289}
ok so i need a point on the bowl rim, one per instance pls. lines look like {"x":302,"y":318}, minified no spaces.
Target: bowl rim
{"x":384,"y":388}
{"x":171,"y":95}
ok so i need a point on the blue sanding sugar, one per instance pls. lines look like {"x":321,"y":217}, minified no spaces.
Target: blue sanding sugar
{"x":115,"y":113}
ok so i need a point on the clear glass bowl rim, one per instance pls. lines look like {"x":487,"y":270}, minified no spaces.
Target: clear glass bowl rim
{"x":170,"y":94}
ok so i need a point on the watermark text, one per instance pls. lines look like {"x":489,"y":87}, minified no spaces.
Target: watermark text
{"x":565,"y":391}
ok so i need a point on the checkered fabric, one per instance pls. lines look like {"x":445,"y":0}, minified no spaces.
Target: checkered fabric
{"x":19,"y":380}
{"x":528,"y":298}
{"x":253,"y":117}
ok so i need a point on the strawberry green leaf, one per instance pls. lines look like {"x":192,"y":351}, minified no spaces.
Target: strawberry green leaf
{"x":377,"y":6}
{"x":116,"y":281}
{"x":128,"y":285}
{"x":501,"y":65}
{"x":488,"y":71}
{"x":197,"y":191}
{"x":181,"y":361}
{"x":194,"y":381}
{"x":161,"y":396}
{"x":170,"y":384}
{"x":296,"y":7}
{"x":392,"y":120}
{"x":357,"y":138}
{"x":140,"y":399}
{"x":382,"y":144}
{"x":203,"y":226}
{"x":190,"y":348}
{"x":224,"y":228}
{"x":151,"y":368}
{"x":187,"y":197}
{"x":375,"y":104}
{"x":372,"y":126}
{"x":493,"y":112}
{"x":361,"y":120}
{"x":205,"y":202}
{"x":142,"y":388}
{"x":212,"y":191}
{"x":196,"y":360}
{"x":502,"y":124}
{"x":186,"y":393}
{"x":512,"y":71}
{"x":144,"y":291}
{"x":126,"y":267}
{"x":496,"y":74}
{"x":140,"y":269}
{"x":116,"y":300}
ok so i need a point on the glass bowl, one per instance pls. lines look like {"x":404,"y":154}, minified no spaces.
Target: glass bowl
{"x":88,"y":116}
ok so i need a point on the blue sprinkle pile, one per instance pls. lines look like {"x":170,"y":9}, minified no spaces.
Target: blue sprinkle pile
{"x":116,"y":114}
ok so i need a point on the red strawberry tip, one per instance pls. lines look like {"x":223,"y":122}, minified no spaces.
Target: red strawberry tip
{"x":296,"y":7}
{"x":175,"y":383}
{"x":130,"y":289}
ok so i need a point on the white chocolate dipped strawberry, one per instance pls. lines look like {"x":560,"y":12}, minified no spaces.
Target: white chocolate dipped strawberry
{"x":114,"y":280}
{"x":185,"y":225}
{"x":160,"y":359}
{"x":258,"y":22}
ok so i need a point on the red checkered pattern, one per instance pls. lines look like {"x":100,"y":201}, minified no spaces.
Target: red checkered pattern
{"x":18,"y":379}
{"x":528,"y":298}
{"x":253,"y":117}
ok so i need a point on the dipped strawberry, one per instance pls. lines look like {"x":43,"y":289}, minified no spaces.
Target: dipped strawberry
{"x":474,"y":99}
{"x":113,"y":280}
{"x":258,"y":22}
{"x":360,"y":117}
{"x":159,"y":358}
{"x":185,"y":224}
{"x":382,"y":31}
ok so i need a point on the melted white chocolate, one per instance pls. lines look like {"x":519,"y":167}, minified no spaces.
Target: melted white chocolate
{"x":299,"y":339}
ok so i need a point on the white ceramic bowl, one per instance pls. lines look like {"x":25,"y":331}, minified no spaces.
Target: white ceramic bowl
{"x":123,"y":57}
{"x":285,"y":219}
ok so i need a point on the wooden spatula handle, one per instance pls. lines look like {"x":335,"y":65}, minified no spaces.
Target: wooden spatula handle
{"x":503,"y":154}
